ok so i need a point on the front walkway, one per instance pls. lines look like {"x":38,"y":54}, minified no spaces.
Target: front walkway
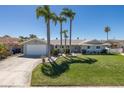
{"x":122,"y":54}
{"x":16,"y":71}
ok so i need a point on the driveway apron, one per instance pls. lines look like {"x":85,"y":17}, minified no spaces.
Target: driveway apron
{"x":16,"y":71}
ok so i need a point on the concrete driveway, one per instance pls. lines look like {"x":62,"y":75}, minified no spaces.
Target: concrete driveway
{"x":16,"y":71}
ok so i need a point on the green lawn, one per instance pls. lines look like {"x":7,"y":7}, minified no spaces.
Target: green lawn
{"x":83,"y":70}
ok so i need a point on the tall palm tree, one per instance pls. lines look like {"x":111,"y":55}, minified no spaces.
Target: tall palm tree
{"x":69,"y":14}
{"x":107,"y":29}
{"x":44,"y":11}
{"x":65,"y":36}
{"x":61,"y":19}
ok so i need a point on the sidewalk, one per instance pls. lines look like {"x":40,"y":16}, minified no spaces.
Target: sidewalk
{"x":122,"y":54}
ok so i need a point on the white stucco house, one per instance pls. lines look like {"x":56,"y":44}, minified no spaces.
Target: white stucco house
{"x":38,"y":47}
{"x":35,"y":47}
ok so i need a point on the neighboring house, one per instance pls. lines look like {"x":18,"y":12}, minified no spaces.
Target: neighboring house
{"x":35,"y":47}
{"x":10,"y":43}
{"x":117,"y":46}
{"x":122,"y":44}
{"x":114,"y":43}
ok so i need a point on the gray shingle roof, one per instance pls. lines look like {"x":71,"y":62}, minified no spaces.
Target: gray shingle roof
{"x":93,"y":42}
{"x":35,"y":41}
{"x":9,"y":40}
{"x":81,"y":42}
{"x":74,"y":42}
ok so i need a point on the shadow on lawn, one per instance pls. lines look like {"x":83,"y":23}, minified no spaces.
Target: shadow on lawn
{"x":75,"y":59}
{"x":54,"y":70}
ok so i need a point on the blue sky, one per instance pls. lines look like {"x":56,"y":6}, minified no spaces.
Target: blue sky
{"x":88,"y":23}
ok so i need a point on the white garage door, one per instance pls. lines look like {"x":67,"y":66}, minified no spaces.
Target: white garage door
{"x":36,"y":50}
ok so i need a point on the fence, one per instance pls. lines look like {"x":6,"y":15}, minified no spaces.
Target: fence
{"x":117,"y":50}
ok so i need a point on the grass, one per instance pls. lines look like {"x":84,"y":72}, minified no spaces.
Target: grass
{"x":83,"y":70}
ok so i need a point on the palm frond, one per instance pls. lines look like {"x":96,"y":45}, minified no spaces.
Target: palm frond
{"x":68,"y":13}
{"x":47,"y":8}
{"x":107,"y":29}
{"x":65,"y":33}
{"x":40,"y":11}
{"x":61,"y":19}
{"x":53,"y":17}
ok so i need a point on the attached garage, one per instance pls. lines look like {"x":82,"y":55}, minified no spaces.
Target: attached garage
{"x":35,"y":47}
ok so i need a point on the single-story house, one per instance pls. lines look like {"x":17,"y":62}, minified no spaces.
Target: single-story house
{"x":114,"y":43}
{"x":117,"y":46}
{"x":35,"y":47}
{"x":38,"y":47}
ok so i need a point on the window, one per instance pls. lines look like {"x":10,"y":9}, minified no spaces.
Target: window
{"x":97,"y":47}
{"x":56,"y":46}
{"x":88,"y":47}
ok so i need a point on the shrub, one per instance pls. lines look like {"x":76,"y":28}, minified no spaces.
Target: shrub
{"x":55,"y":52}
{"x":104,"y":51}
{"x":67,"y":51}
{"x":3,"y":52}
{"x":83,"y":51}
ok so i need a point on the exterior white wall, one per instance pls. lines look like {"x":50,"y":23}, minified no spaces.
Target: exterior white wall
{"x":117,"y":50}
{"x":35,"y":50}
{"x":24,"y":49}
{"x":74,"y":48}
{"x":93,"y":48}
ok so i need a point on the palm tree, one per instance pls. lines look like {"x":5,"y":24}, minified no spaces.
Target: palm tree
{"x":44,"y":11}
{"x":107,"y":29}
{"x":61,"y":20}
{"x":65,"y":36}
{"x":70,"y":14}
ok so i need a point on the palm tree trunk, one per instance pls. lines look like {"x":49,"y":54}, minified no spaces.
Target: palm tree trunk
{"x":48,"y":37}
{"x":107,"y":36}
{"x":61,"y":38}
{"x":65,"y":44}
{"x":70,"y":34}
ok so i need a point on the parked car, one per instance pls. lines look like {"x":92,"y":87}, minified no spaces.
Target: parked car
{"x":16,"y":50}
